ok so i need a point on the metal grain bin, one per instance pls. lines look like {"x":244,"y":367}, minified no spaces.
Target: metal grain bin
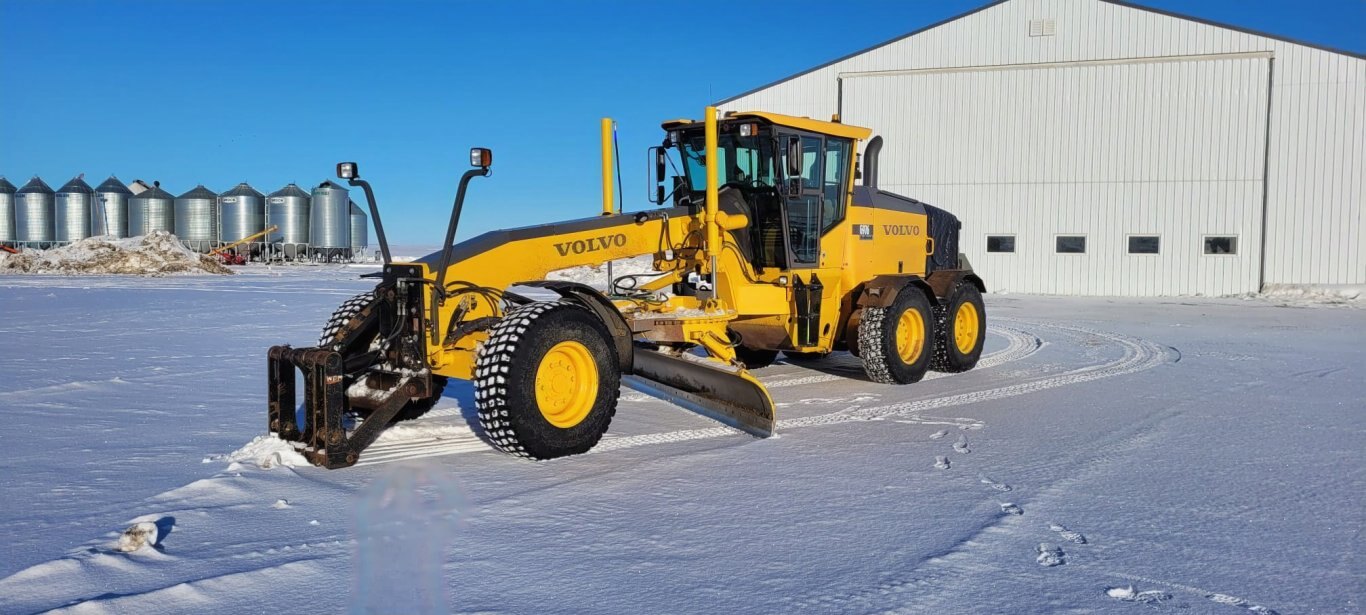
{"x":241,"y":214}
{"x":7,"y":228}
{"x":360,"y":229}
{"x":110,"y":214}
{"x":288,"y":210}
{"x":196,"y":218}
{"x":330,"y":217}
{"x":72,"y":210}
{"x":151,"y":210}
{"x":33,"y":213}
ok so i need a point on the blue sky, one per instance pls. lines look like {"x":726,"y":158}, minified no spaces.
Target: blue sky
{"x":218,"y":92}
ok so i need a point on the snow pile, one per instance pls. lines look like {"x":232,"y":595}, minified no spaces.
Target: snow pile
{"x":156,"y":254}
{"x":1129,"y":594}
{"x":596,"y":275}
{"x":1301,"y":294}
{"x":137,"y":536}
{"x":265,"y":451}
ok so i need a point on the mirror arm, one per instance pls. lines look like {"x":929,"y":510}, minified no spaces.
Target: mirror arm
{"x":374,"y":216}
{"x":446,"y":248}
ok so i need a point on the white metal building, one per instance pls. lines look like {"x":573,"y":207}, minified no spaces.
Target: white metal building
{"x":1102,"y":148}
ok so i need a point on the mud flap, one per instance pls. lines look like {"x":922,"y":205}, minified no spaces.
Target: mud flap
{"x":734,"y":398}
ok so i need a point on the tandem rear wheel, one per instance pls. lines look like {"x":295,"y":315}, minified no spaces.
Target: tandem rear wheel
{"x":896,"y":342}
{"x":547,"y":380}
{"x":962,"y":324}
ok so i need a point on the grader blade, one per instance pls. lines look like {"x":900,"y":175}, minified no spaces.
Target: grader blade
{"x":734,"y":398}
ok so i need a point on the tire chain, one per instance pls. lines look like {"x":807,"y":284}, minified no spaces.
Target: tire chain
{"x":491,"y":370}
{"x":872,"y":345}
{"x":342,"y":316}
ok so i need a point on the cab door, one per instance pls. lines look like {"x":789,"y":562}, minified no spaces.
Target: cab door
{"x":814,"y":198}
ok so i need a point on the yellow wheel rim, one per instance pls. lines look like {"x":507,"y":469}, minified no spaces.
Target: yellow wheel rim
{"x":910,"y":336}
{"x":566,"y":384}
{"x":966,"y":327}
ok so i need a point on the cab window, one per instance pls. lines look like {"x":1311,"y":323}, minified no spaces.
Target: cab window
{"x":833,"y":191}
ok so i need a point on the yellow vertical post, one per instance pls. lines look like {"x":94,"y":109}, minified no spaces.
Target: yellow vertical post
{"x":713,"y":185}
{"x":608,"y":200}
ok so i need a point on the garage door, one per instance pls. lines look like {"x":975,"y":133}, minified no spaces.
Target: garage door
{"x":1156,"y":164}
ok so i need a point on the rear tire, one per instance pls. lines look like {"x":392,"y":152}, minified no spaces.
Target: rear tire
{"x":962,"y":327}
{"x":546,"y":381}
{"x":896,"y":343}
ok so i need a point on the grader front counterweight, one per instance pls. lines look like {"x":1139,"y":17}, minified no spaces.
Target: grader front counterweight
{"x":766,"y":245}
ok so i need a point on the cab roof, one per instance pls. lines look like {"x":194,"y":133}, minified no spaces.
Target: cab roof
{"x":800,"y":123}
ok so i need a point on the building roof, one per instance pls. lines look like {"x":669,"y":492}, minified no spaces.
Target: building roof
{"x":200,"y":192}
{"x":77,"y":185}
{"x":801,"y":123}
{"x":290,"y":190}
{"x":243,"y":189}
{"x":113,"y":185}
{"x":984,"y":7}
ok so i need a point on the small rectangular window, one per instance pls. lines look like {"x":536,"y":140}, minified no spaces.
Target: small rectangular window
{"x":1071,"y":244}
{"x":1000,"y":243}
{"x":1144,"y":244}
{"x":1221,"y":244}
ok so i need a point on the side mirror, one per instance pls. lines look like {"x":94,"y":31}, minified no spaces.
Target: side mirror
{"x":481,"y":157}
{"x":660,"y":159}
{"x":794,"y":157}
{"x":348,"y":170}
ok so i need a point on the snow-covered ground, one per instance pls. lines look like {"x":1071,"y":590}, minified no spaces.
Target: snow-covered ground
{"x":1107,"y":456}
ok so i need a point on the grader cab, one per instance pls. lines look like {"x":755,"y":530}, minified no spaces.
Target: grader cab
{"x":766,"y":243}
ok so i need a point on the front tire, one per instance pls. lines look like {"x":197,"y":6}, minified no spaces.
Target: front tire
{"x":754,"y":358}
{"x":546,"y":381}
{"x":347,"y":318}
{"x":896,"y":342}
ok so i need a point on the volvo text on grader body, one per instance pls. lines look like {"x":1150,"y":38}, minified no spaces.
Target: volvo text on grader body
{"x":767,"y":245}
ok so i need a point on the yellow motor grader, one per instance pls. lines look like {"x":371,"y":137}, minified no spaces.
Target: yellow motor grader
{"x":765,"y":244}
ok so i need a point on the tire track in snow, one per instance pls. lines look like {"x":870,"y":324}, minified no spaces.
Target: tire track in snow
{"x":1019,"y":345}
{"x":1139,"y":355}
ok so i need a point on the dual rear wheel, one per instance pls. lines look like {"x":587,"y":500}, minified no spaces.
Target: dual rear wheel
{"x":900,"y":342}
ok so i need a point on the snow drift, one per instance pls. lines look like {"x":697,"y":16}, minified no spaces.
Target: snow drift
{"x":156,"y":254}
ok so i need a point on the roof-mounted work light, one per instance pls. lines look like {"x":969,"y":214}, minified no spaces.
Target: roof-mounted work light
{"x":481,"y":157}
{"x":348,"y":170}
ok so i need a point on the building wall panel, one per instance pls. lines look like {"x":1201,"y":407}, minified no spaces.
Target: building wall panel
{"x":1312,"y":158}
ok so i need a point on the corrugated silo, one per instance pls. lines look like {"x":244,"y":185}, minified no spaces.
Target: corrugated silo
{"x":33,"y":213}
{"x":151,"y":210}
{"x":196,"y":218}
{"x":288,"y":210}
{"x":7,"y":229}
{"x":241,"y":214}
{"x":360,"y":230}
{"x":72,"y":209}
{"x":110,"y":214}
{"x":330,"y":219}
